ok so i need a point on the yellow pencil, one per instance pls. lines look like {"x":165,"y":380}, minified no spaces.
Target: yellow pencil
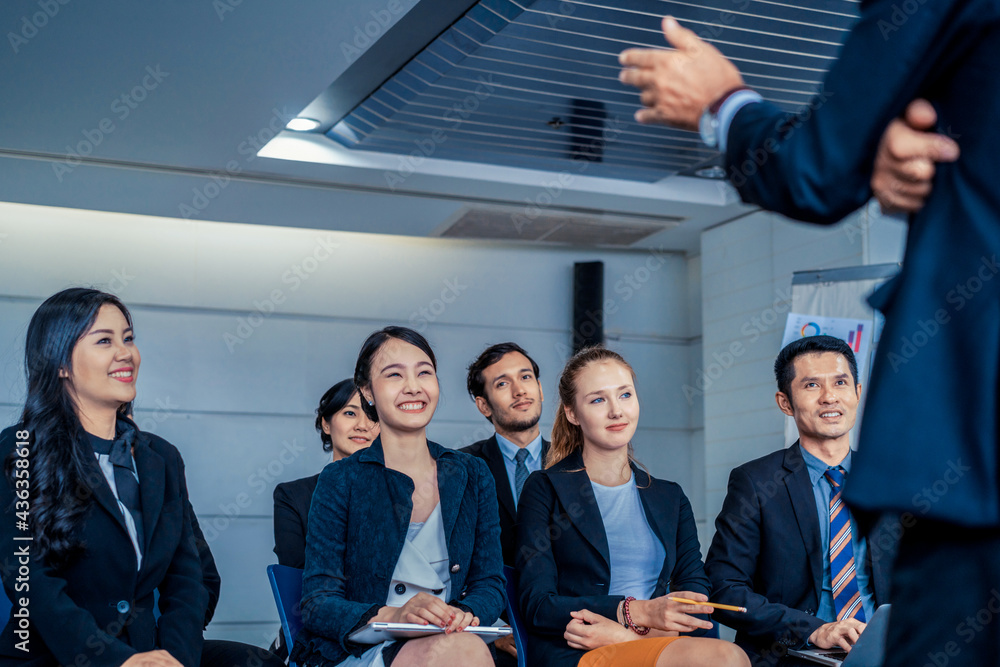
{"x":717,"y":605}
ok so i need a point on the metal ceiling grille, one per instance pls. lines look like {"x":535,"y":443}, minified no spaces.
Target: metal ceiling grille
{"x":534,"y":83}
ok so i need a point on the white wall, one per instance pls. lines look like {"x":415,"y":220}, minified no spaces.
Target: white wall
{"x":235,"y":389}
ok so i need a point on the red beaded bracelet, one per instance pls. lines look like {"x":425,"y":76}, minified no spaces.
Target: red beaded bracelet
{"x":639,"y":630}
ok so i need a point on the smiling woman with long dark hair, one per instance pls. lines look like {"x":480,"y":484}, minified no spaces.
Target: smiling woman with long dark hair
{"x":100,"y":506}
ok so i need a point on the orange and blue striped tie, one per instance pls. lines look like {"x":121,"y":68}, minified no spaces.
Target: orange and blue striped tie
{"x":843,"y":579}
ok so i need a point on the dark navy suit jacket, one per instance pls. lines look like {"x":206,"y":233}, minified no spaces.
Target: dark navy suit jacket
{"x":357,"y":524}
{"x":99,"y":608}
{"x":489,"y":451}
{"x":563,"y":558}
{"x":766,"y":555}
{"x":932,"y":415}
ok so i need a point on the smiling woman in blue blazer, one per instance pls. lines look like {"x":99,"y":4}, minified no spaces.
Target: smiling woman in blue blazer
{"x":105,"y":508}
{"x":601,"y":543}
{"x":404,"y":531}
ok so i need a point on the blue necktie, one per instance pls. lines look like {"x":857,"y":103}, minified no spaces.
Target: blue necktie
{"x":843,"y":579}
{"x":520,"y":472}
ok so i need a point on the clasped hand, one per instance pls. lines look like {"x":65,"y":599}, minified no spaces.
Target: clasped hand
{"x":425,"y":609}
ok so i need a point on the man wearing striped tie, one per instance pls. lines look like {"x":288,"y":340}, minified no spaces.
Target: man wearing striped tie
{"x":786,"y":547}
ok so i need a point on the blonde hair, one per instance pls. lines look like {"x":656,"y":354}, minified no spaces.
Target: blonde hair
{"x":567,"y":437}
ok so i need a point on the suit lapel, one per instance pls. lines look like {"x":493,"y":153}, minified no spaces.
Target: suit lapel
{"x":572,"y":486}
{"x":152,"y":482}
{"x":495,"y":462}
{"x":804,"y":506}
{"x":102,"y":492}
{"x":657,"y":506}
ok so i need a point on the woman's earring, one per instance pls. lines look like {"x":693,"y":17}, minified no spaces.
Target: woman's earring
{"x":371,"y":402}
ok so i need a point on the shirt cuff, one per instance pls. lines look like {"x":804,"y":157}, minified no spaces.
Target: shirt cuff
{"x":728,"y":111}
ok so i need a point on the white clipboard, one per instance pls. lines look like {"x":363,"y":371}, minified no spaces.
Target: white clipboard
{"x":378,"y":632}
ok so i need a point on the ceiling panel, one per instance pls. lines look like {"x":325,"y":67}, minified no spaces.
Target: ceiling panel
{"x":534,"y":84}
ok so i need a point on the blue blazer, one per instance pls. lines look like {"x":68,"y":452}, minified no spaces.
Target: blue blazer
{"x":766,"y":555}
{"x":931,"y":415}
{"x":357,"y":525}
{"x":98,"y":607}
{"x":563,"y":558}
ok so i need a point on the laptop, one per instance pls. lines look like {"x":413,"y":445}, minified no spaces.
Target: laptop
{"x":868,"y":652}
{"x":374,"y":633}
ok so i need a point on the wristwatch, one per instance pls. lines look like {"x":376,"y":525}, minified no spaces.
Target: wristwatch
{"x":708,"y":124}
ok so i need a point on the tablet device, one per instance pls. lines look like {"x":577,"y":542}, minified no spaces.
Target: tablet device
{"x":868,"y":652}
{"x":373,"y":633}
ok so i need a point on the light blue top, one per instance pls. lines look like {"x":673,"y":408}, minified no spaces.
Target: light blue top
{"x":509,"y":451}
{"x":636,"y":552}
{"x":823,"y":491}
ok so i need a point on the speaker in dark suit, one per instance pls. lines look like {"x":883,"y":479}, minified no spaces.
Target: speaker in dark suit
{"x":932,"y":415}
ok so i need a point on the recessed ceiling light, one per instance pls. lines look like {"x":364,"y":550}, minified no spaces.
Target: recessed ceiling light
{"x":303,"y":124}
{"x":714,"y":172}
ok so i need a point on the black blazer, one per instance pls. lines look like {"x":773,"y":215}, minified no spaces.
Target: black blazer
{"x":942,"y":318}
{"x":489,"y":451}
{"x":291,"y":520}
{"x":766,"y":555}
{"x":563,"y":558}
{"x":98,"y":607}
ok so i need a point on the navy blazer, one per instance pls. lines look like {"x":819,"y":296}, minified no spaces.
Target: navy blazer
{"x":766,"y":555}
{"x":291,"y":520}
{"x":489,"y":451}
{"x":357,"y":525}
{"x":563,"y":558}
{"x":99,"y":608}
{"x":931,"y":414}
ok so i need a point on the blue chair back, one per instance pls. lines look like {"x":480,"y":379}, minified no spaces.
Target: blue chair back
{"x":286,"y":584}
{"x":514,"y":616}
{"x":5,"y":608}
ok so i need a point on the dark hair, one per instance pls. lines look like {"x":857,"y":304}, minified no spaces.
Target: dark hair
{"x":784,"y":365}
{"x":371,"y":346}
{"x":60,"y":492}
{"x":333,"y":401}
{"x":475,"y":381}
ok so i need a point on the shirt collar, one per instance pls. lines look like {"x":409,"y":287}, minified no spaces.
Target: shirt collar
{"x":817,"y":467}
{"x":509,"y":449}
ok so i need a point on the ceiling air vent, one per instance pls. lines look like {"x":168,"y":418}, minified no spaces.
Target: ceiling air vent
{"x":556,"y":227}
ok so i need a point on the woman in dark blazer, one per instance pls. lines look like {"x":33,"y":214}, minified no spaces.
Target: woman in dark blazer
{"x":82,"y":557}
{"x":344,"y":428}
{"x":372,"y":507}
{"x":601,"y":543}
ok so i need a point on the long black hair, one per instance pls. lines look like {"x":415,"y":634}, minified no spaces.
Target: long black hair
{"x":333,"y":401}
{"x":371,"y":346}
{"x":61,"y":491}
